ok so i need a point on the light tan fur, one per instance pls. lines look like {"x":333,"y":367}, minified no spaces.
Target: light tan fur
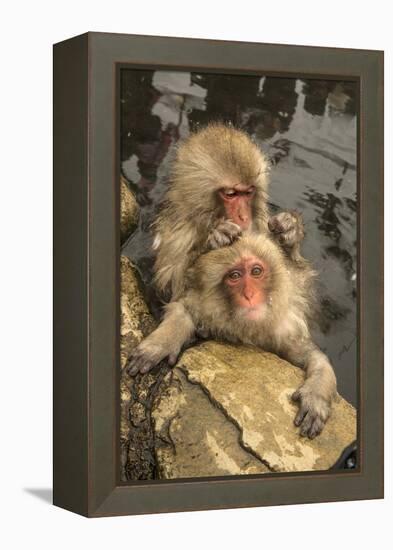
{"x":289,"y":288}
{"x":215,"y":157}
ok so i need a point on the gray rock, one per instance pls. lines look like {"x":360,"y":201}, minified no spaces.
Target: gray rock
{"x":194,"y":438}
{"x":247,"y":392}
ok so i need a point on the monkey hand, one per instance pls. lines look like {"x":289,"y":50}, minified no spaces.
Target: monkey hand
{"x":224,"y":234}
{"x":146,"y":356}
{"x":287,"y":228}
{"x":314,"y":410}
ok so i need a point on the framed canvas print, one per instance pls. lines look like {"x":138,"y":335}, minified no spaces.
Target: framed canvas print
{"x":218,"y":287}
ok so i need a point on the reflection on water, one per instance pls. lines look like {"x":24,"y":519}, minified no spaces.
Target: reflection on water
{"x":308,"y":130}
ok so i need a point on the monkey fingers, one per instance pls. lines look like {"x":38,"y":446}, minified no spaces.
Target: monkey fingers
{"x":143,"y":360}
{"x":316,"y":427}
{"x":288,"y":238}
{"x":145,"y":357}
{"x":311,"y":426}
{"x":172,"y":358}
{"x":287,"y":228}
{"x":139,"y":362}
{"x":224,"y":234}
{"x":312,"y":415}
{"x":302,"y":410}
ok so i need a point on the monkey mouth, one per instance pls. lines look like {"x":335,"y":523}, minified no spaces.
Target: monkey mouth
{"x":254,"y":313}
{"x":243,"y":224}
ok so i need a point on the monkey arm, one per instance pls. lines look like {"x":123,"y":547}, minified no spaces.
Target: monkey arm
{"x":175,"y":330}
{"x":316,"y":394}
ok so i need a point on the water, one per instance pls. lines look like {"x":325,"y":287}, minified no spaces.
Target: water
{"x":308,"y":130}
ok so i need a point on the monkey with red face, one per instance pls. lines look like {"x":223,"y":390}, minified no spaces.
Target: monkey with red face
{"x":249,"y":292}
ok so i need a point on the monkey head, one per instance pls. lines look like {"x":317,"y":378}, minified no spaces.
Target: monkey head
{"x":220,"y":172}
{"x":247,"y":283}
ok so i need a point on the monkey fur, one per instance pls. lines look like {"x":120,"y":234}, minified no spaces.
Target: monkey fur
{"x":278,"y":321}
{"x":217,"y":159}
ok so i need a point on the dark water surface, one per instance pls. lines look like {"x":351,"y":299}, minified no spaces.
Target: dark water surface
{"x":308,"y":130}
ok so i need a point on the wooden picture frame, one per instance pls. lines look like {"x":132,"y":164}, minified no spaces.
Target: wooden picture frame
{"x":86,"y":274}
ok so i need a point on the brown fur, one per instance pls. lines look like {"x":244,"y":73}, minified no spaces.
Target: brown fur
{"x":215,"y":157}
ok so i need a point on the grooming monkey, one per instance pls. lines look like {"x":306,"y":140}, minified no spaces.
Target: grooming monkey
{"x":217,"y":191}
{"x":250,"y":292}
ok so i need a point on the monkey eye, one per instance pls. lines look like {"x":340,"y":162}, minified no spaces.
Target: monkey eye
{"x":250,"y":190}
{"x":234,"y":275}
{"x":257,"y":271}
{"x":229,"y":192}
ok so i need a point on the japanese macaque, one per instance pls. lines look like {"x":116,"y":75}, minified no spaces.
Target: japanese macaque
{"x":217,"y":191}
{"x":249,"y":292}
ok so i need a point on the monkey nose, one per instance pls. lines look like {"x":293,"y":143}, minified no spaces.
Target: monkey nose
{"x":248,"y":294}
